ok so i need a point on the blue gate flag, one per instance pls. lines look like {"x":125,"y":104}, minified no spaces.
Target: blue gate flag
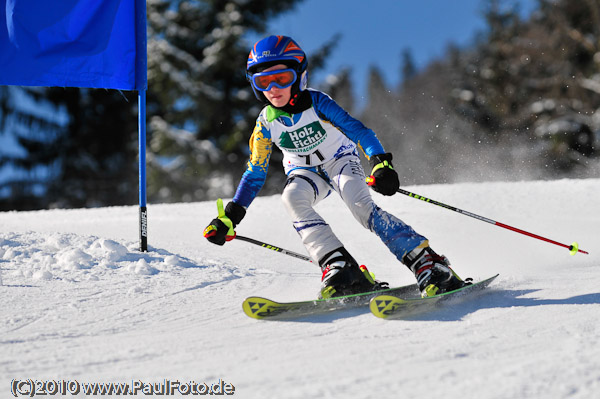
{"x":73,"y":43}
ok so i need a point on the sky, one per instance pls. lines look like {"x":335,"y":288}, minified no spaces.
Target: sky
{"x":376,"y":32}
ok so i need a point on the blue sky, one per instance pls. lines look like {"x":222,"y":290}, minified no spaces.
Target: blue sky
{"x":375,"y":32}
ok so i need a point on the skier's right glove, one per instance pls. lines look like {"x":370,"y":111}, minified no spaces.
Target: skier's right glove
{"x":221,"y":228}
{"x":384,"y":178}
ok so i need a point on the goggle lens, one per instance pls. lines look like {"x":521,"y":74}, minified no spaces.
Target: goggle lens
{"x":282,"y":78}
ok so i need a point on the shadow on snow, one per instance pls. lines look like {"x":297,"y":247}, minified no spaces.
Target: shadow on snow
{"x":455,"y":309}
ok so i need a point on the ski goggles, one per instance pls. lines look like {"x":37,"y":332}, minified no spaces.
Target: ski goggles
{"x":282,"y":78}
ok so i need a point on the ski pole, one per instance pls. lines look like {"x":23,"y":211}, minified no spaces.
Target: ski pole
{"x":273,"y":248}
{"x":573,"y":248}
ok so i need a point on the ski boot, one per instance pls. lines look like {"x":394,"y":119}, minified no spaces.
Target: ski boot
{"x":433,"y":272}
{"x":342,"y":276}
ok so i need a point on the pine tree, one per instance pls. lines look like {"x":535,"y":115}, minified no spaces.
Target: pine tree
{"x":339,"y":86}
{"x":534,"y":83}
{"x":97,"y":152}
{"x":378,"y":113}
{"x":29,"y":127}
{"x":202,"y":107}
{"x":409,"y":70}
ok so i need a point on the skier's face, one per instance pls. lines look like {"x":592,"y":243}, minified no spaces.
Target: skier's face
{"x":276,"y":96}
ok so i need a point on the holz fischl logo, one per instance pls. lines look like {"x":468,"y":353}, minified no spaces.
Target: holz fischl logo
{"x":303,"y":139}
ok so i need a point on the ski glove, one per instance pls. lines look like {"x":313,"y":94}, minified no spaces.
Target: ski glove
{"x":221,"y":229}
{"x":384,"y":178}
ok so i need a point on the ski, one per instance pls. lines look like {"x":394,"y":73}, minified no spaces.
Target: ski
{"x":263,"y":308}
{"x":391,"y":307}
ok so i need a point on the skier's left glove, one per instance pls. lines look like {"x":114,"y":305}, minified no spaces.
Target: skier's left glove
{"x":384,"y":178}
{"x":221,"y":228}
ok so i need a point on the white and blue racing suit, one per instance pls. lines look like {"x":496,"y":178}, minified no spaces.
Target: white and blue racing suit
{"x":320,"y":154}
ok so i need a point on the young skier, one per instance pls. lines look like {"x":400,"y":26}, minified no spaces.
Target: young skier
{"x":319,"y":142}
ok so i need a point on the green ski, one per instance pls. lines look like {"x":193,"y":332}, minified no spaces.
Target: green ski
{"x":262,"y":308}
{"x":391,"y":307}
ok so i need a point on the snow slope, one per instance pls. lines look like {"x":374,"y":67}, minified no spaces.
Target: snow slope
{"x":80,"y":303}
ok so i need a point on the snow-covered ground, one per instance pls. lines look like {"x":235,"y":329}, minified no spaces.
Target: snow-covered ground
{"x":81,"y":303}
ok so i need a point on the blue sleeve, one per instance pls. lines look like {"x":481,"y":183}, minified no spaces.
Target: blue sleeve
{"x":255,"y":175}
{"x":250,"y":184}
{"x":330,"y":111}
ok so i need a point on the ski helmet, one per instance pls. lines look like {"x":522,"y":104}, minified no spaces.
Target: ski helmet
{"x":274,"y":50}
